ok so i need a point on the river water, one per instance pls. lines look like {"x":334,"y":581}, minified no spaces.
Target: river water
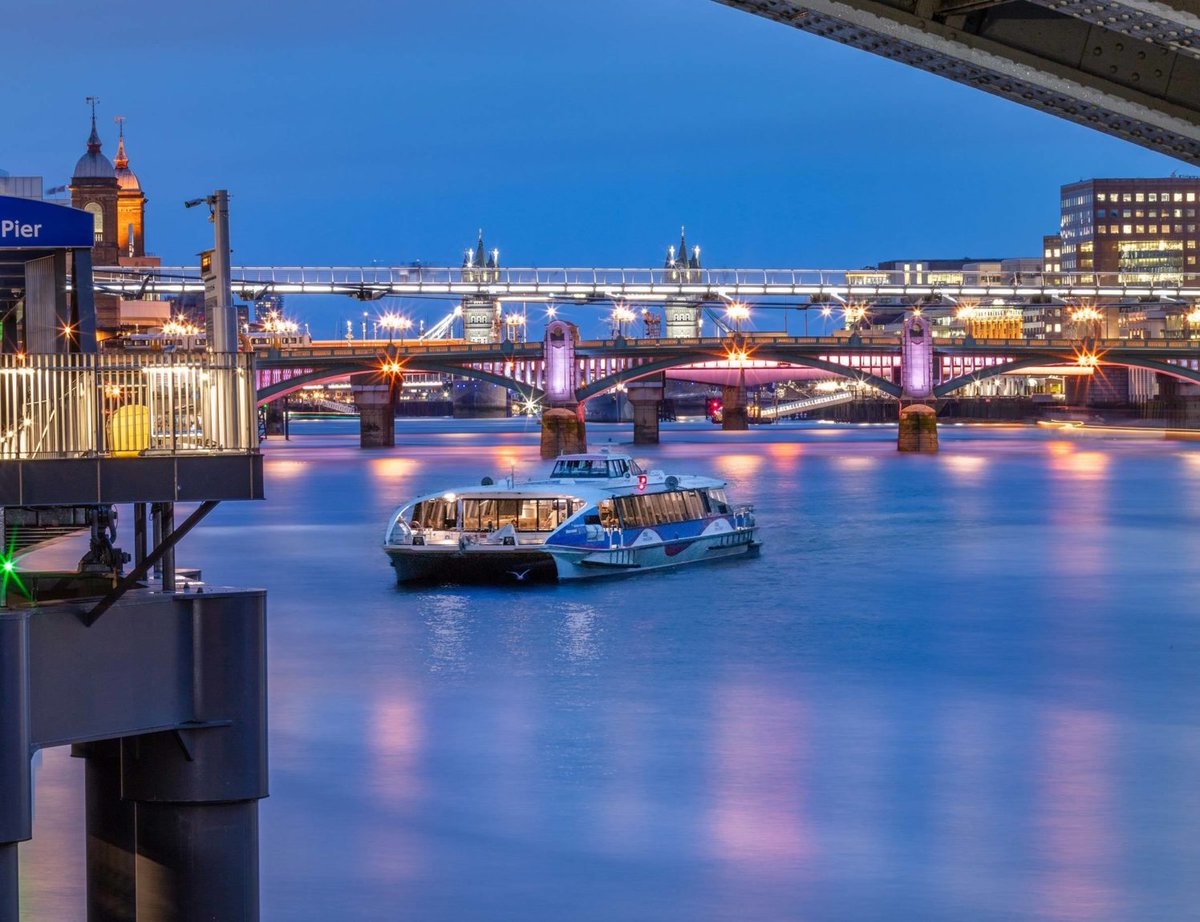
{"x":953,"y":686}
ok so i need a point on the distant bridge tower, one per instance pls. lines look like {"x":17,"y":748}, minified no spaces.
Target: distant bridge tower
{"x":681,"y":316}
{"x":481,"y":314}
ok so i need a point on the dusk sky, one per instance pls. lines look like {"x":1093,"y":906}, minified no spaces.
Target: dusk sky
{"x":575,"y":134}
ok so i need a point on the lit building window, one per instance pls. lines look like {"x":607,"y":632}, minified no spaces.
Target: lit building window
{"x":1178,"y":197}
{"x":1139,"y":197}
{"x":1191,"y":196}
{"x":1127,"y":228}
{"x":97,"y":214}
{"x":1154,"y":228}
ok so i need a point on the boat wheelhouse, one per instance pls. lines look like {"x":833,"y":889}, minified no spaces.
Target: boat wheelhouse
{"x":595,"y":514}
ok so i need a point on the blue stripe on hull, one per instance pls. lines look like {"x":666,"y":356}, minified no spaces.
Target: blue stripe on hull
{"x":576,"y":564}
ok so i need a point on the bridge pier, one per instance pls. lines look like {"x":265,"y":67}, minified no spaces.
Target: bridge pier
{"x":171,"y":815}
{"x":918,"y":429}
{"x":563,"y":431}
{"x":918,"y":421}
{"x":376,"y":402}
{"x":646,"y":396}
{"x":734,"y":415}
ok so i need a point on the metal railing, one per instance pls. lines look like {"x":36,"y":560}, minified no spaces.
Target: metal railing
{"x":88,"y":405}
{"x":606,"y":283}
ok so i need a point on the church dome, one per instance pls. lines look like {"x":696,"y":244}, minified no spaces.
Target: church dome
{"x":93,"y":164}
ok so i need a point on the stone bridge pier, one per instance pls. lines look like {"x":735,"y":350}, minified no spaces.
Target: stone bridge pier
{"x":646,"y":396}
{"x":734,"y":415}
{"x":375,"y":398}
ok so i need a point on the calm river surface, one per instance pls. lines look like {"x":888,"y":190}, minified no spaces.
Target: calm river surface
{"x":963,"y":686}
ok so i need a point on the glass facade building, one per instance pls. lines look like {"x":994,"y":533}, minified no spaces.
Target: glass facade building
{"x":1131,"y":230}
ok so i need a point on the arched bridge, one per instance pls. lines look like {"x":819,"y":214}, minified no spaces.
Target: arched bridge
{"x":568,"y":371}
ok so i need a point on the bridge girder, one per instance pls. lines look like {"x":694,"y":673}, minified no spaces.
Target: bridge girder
{"x":790,"y":357}
{"x":1182,"y":372}
{"x":1129,"y":68}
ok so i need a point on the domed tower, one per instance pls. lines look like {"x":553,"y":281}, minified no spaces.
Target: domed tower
{"x":94,"y":188}
{"x":131,"y":203}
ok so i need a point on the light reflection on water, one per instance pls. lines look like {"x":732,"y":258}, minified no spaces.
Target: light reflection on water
{"x":953,"y":686}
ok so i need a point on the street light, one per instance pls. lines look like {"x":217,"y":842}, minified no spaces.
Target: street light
{"x":390,"y":321}
{"x":621,"y":315}
{"x":738,"y":311}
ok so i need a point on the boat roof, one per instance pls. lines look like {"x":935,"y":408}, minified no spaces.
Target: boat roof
{"x":590,"y":490}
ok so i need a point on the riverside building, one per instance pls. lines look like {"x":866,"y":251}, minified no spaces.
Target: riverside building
{"x":1131,"y":230}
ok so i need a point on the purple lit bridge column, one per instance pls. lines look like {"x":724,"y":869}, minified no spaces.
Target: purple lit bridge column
{"x":918,"y":420}
{"x":563,"y":429}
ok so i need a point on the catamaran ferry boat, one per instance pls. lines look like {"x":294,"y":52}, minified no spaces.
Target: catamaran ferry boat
{"x":596,"y":514}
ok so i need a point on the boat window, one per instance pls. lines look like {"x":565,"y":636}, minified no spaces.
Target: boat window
{"x":617,"y":468}
{"x":608,"y":517}
{"x":528,"y":520}
{"x":716,"y":499}
{"x":436,"y":514}
{"x":508,"y":512}
{"x":580,"y":468}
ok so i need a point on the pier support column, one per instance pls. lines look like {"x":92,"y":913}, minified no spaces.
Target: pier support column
{"x":918,"y":429}
{"x":645,"y":396}
{"x":734,"y":416}
{"x":197,"y":788}
{"x":376,"y":402}
{"x":563,"y":431}
{"x":16,"y":802}
{"x":109,"y":851}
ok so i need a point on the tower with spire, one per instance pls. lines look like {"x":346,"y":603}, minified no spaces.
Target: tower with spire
{"x":94,"y":189}
{"x":480,"y":313}
{"x":131,"y":203}
{"x":681,"y":316}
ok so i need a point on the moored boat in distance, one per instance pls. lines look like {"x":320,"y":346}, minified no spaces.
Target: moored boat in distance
{"x":595,"y":514}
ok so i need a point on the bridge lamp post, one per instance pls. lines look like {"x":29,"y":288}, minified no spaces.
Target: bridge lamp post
{"x":621,"y":315}
{"x":738,"y":312}
{"x":1193,"y":320}
{"x":390,"y":322}
{"x":1087,"y":322}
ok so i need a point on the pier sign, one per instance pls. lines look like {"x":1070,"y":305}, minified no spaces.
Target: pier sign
{"x":30,"y":224}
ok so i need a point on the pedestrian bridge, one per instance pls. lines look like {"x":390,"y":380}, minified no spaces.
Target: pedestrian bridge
{"x":369,"y":283}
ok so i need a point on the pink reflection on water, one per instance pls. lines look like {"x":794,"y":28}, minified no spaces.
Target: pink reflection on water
{"x":392,"y":849}
{"x":757,"y":821}
{"x":396,"y":737}
{"x":1080,"y":510}
{"x":1078,"y":837}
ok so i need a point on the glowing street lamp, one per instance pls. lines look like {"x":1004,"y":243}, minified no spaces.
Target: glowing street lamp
{"x":738,"y":312}
{"x":390,"y":322}
{"x":516,"y":326}
{"x":1087,"y":321}
{"x":621,"y":315}
{"x":1193,"y":319}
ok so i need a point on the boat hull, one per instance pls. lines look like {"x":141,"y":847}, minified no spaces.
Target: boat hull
{"x":582,"y":563}
{"x":497,"y":564}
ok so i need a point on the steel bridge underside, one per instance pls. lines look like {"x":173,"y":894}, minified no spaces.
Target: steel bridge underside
{"x":1129,"y":68}
{"x":606,"y":363}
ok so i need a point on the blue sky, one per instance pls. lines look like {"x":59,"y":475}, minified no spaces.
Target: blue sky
{"x":574,"y":133}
